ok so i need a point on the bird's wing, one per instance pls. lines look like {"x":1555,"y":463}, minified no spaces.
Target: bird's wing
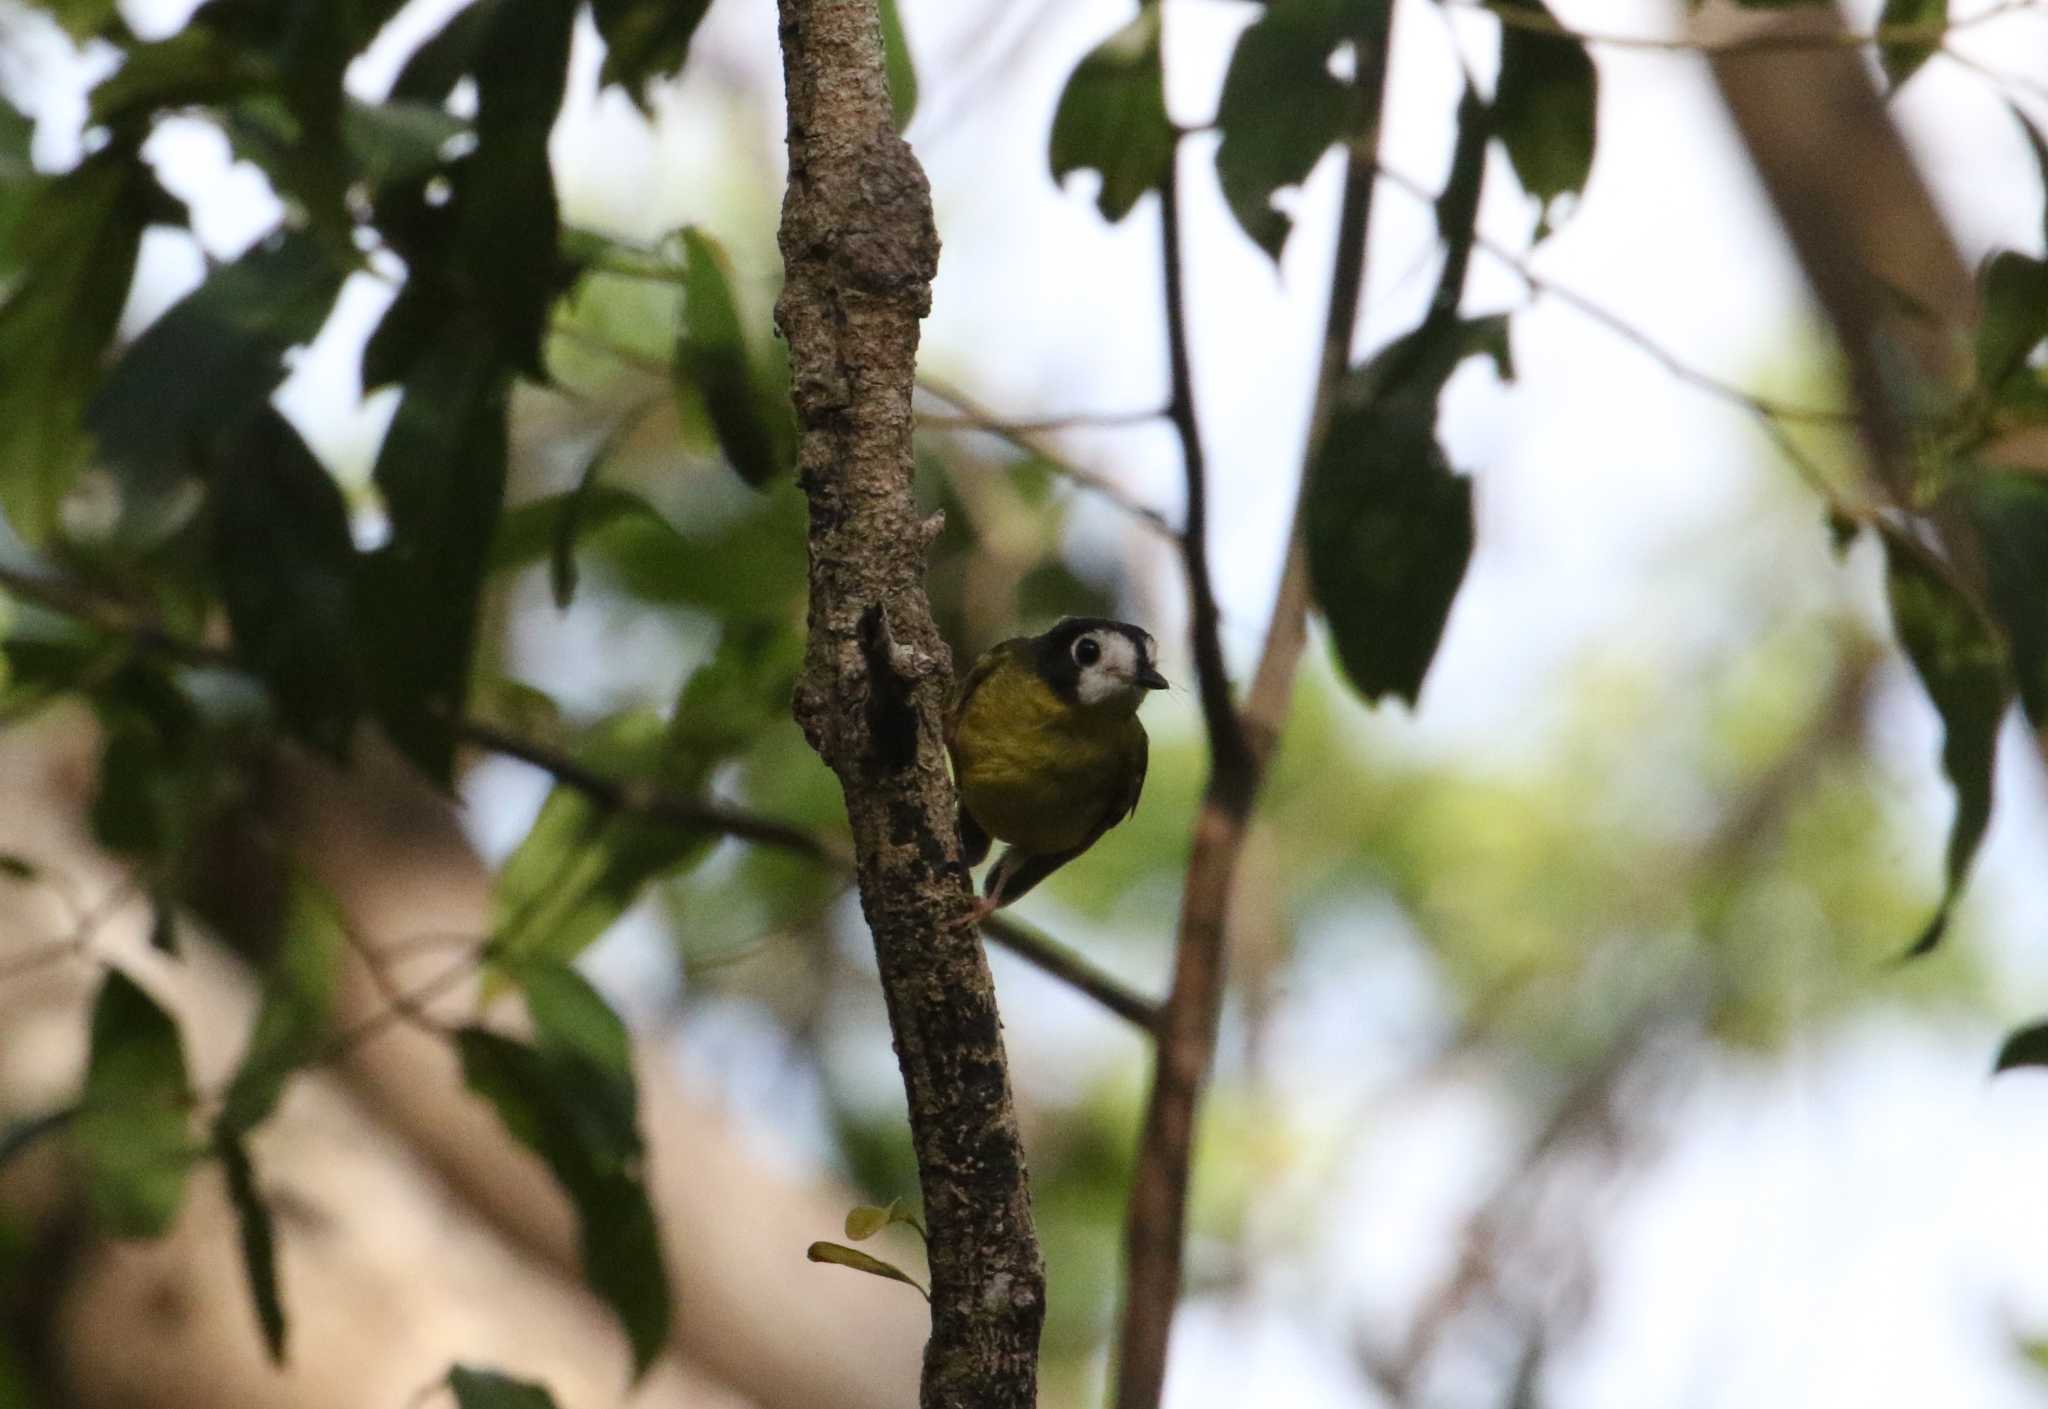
{"x":977,"y":675}
{"x":1141,"y":748}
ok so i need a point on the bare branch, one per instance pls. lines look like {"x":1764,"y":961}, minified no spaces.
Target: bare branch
{"x":1026,"y":436}
{"x":1010,"y":428}
{"x":629,"y":797}
{"x":1230,"y":763}
{"x":1537,"y":21}
{"x":1051,"y":957}
{"x":1155,"y":1225}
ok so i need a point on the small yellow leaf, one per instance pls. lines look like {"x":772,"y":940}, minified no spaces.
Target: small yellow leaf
{"x":863,"y":1221}
{"x":842,"y":1256}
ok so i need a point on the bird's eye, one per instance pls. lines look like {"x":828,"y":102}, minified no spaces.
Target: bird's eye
{"x":1087,"y":651}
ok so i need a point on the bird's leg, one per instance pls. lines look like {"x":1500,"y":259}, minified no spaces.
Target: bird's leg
{"x":995,"y":890}
{"x":977,"y":912}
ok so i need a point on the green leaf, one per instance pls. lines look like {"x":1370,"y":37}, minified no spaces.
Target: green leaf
{"x":442,"y":473}
{"x":196,"y":66}
{"x":748,"y":403}
{"x":1544,"y":108}
{"x":2038,"y":144}
{"x":645,"y":41}
{"x":752,"y":566}
{"x":1387,"y":522}
{"x":579,"y":1118}
{"x":488,"y":250}
{"x":275,"y":67}
{"x":1112,"y":118}
{"x":76,"y":248}
{"x":193,"y":380}
{"x":839,"y":1255}
{"x":898,"y":65}
{"x":1963,"y":668}
{"x":131,"y":1131}
{"x":570,"y":1016}
{"x":562,"y":551}
{"x":863,"y":1221}
{"x":507,"y":220}
{"x":2026,"y":1047}
{"x":259,"y":1243}
{"x":287,"y":569}
{"x":1902,"y":61}
{"x":19,"y":180}
{"x":581,"y":863}
{"x":82,"y":19}
{"x":552,"y":526}
{"x":1389,"y":532}
{"x":397,"y":141}
{"x":2010,"y":515}
{"x":151,"y":775}
{"x":2013,"y":290}
{"x":298,"y":1000}
{"x":487,"y":1389}
{"x":434,"y":69}
{"x":1281,"y":110}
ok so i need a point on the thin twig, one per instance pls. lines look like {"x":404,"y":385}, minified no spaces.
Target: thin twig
{"x":1230,"y":758}
{"x":86,"y":922}
{"x":1538,"y":21}
{"x":627,"y":797}
{"x":1544,"y":285}
{"x":2021,"y":83}
{"x":410,"y":1001}
{"x":1010,"y":427}
{"x":395,"y":998}
{"x":639,"y":361}
{"x":1025,"y":437}
{"x":1771,"y":415}
{"x":1052,"y":957}
{"x":637,"y":798}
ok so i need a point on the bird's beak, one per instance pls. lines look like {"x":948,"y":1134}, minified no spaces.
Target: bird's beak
{"x":1151,"y":679}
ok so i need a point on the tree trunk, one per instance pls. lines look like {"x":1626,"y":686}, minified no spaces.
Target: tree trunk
{"x":859,"y":251}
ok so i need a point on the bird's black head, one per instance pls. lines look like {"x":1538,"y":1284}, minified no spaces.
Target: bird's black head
{"x":1093,"y":661}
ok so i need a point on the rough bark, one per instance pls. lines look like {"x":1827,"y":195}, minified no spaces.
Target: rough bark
{"x":859,"y":251}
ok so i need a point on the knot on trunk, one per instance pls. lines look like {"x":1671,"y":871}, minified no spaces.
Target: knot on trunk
{"x":891,"y":245}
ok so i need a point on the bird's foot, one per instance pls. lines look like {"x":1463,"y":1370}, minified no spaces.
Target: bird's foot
{"x":977,"y":912}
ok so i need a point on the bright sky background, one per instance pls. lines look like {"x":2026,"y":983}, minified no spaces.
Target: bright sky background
{"x":1855,"y":1226}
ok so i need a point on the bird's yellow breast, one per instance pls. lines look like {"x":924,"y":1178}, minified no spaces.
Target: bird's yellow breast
{"x":1037,"y":771}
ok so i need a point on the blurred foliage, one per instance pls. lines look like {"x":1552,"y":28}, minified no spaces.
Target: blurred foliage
{"x":1715,"y":848}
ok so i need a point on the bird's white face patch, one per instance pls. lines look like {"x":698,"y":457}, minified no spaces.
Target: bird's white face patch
{"x":1109,"y":664}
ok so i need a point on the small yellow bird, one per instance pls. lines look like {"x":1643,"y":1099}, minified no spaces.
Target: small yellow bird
{"x":1047,"y":748}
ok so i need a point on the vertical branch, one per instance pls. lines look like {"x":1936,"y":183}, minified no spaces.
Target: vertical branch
{"x":859,"y":251}
{"x":1231,"y":762}
{"x":1240,"y":745}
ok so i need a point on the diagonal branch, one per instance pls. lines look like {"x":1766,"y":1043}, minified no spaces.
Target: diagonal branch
{"x":1539,"y":21}
{"x":1241,"y":744}
{"x":1025,"y":436}
{"x":629,"y":797}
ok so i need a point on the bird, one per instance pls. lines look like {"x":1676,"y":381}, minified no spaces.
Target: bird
{"x":1047,"y":750}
